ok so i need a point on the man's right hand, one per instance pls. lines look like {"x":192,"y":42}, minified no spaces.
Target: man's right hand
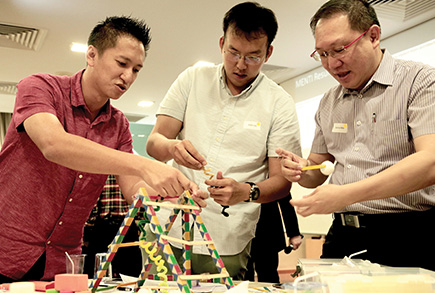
{"x":168,"y":181}
{"x":184,"y":153}
{"x":291,"y":165}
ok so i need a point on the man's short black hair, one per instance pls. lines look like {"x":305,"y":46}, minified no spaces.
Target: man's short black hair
{"x":251,"y":20}
{"x":105,"y":34}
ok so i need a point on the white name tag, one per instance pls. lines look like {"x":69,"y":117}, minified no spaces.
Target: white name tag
{"x":340,"y":128}
{"x":252,"y":125}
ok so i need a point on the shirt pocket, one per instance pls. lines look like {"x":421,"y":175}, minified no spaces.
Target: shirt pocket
{"x":392,"y":140}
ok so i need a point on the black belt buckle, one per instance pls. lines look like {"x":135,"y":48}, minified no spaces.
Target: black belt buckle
{"x":350,"y":220}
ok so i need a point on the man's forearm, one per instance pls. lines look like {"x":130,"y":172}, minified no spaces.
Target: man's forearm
{"x":158,"y":147}
{"x":414,"y":172}
{"x":273,"y":188}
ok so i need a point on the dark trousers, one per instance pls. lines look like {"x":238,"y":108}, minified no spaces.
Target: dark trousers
{"x":270,"y":239}
{"x":264,"y":262}
{"x":398,"y":240}
{"x":127,"y":261}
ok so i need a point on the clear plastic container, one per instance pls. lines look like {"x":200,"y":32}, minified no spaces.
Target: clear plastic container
{"x":361,"y":276}
{"x":311,"y":287}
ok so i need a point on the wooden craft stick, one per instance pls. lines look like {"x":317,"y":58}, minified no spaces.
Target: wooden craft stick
{"x":126,"y":244}
{"x":101,"y":288}
{"x":126,"y":284}
{"x":259,"y":289}
{"x":172,"y":205}
{"x":186,"y":242}
{"x":202,"y":276}
{"x":313,"y":167}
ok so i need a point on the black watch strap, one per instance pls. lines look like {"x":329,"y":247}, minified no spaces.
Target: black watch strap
{"x":254,"y":193}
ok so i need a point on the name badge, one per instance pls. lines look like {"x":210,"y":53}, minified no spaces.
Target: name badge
{"x":252,"y":125}
{"x":340,"y":128}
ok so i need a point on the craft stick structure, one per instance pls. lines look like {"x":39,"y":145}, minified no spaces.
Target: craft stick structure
{"x":183,"y":277}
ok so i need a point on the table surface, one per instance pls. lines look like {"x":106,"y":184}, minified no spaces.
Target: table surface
{"x":211,"y":287}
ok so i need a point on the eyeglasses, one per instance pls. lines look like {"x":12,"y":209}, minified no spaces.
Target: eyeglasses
{"x":250,"y":60}
{"x":335,"y":53}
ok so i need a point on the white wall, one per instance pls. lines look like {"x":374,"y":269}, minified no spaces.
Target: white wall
{"x":6,"y":103}
{"x":308,"y":88}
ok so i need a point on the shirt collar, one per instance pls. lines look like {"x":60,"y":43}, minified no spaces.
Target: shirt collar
{"x":77,"y":99}
{"x":383,"y":75}
{"x":246,"y":92}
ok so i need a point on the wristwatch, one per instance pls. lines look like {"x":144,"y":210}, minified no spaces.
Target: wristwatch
{"x":254,"y":193}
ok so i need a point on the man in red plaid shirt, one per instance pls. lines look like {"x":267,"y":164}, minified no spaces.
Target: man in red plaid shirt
{"x":101,"y":227}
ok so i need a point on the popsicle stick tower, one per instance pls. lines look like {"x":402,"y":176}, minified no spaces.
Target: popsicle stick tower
{"x":183,"y":277}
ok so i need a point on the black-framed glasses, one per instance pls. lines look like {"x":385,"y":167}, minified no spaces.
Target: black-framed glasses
{"x":235,"y":57}
{"x":335,"y":53}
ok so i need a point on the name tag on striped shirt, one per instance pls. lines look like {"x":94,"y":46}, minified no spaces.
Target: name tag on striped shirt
{"x":252,"y":125}
{"x":340,"y":128}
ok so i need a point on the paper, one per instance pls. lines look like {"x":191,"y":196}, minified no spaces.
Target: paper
{"x":241,"y":288}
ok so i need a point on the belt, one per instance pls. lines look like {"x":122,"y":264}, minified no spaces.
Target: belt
{"x":350,"y":219}
{"x":359,"y":220}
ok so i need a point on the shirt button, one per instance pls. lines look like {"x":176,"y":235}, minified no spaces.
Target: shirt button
{"x":60,"y":223}
{"x":48,"y":242}
{"x":349,"y":166}
{"x":80,"y":176}
{"x":70,"y":200}
{"x":358,"y":123}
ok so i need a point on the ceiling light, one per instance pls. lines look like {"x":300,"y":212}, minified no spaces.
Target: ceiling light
{"x":81,"y":48}
{"x":145,"y":104}
{"x":203,"y":63}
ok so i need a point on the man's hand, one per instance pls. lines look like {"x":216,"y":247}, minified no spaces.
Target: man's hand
{"x":199,"y":198}
{"x":226,"y":191}
{"x":168,"y":181}
{"x":291,"y":165}
{"x":296,"y":241}
{"x":324,"y":199}
{"x":184,"y":153}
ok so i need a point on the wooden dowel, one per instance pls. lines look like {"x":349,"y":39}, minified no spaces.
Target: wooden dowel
{"x":128,"y":244}
{"x":186,"y":242}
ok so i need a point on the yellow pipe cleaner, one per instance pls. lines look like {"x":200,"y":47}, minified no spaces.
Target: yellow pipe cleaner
{"x":158,"y":261}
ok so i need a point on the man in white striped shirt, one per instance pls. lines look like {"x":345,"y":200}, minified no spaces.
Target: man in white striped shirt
{"x":378,"y":125}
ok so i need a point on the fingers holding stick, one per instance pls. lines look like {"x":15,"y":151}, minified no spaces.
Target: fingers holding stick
{"x":206,"y":172}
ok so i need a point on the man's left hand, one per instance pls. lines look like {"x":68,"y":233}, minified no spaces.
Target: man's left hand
{"x":324,"y":199}
{"x":296,"y":241}
{"x":226,"y":191}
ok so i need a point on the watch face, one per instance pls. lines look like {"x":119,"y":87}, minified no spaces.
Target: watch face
{"x":255,"y":192}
